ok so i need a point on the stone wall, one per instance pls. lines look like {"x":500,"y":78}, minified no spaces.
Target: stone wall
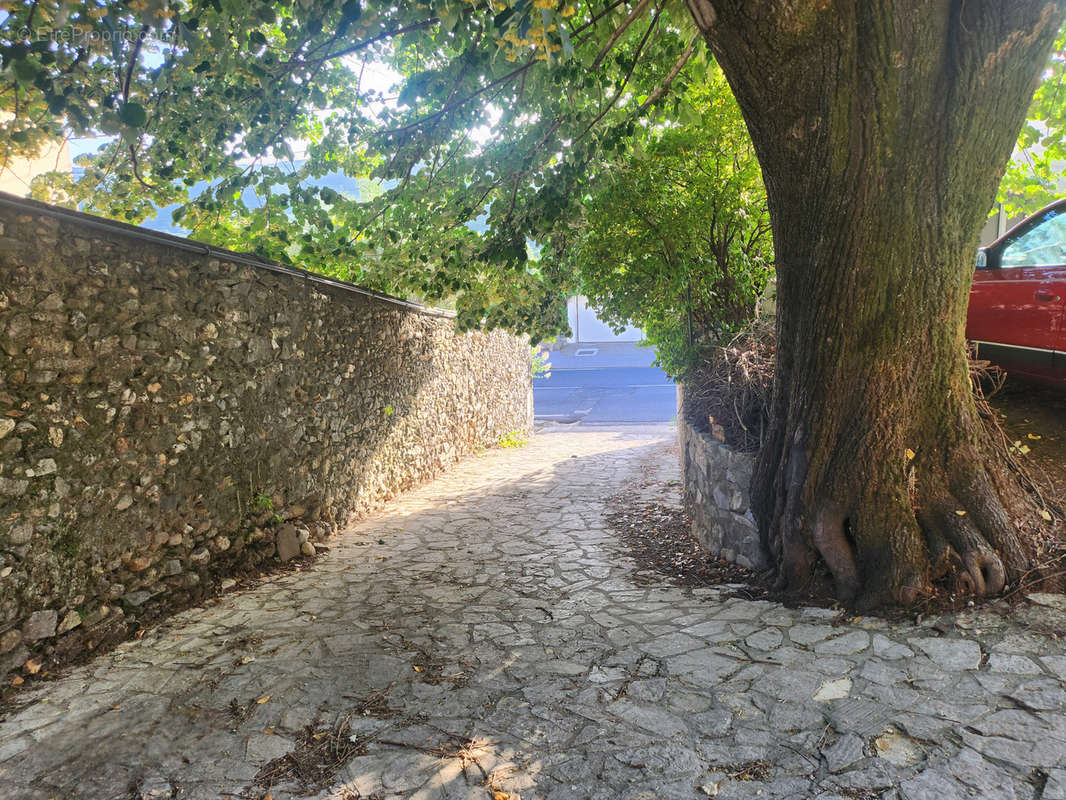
{"x":171,"y":414}
{"x":716,"y":480}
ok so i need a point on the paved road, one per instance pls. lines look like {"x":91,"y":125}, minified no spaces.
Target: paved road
{"x":482,"y":638}
{"x":605,"y":395}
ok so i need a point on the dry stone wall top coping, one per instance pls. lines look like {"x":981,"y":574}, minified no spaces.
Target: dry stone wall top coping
{"x":110,"y":226}
{"x":171,"y":414}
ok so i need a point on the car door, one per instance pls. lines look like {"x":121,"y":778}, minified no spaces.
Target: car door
{"x":1059,"y":363}
{"x":1016,"y":300}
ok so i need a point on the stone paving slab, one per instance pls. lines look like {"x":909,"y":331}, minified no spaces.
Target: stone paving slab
{"x":481,"y":638}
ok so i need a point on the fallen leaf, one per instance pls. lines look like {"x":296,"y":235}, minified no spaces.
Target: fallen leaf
{"x":960,"y":512}
{"x":268,"y":731}
{"x":910,"y":454}
{"x":17,"y":681}
{"x":418,"y":668}
{"x":1045,"y":514}
{"x":33,"y":666}
{"x":263,"y":699}
{"x":500,"y":796}
{"x":1023,"y":449}
{"x":1034,"y":435}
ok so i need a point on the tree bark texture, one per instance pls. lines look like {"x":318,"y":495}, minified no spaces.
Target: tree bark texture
{"x":883,"y":128}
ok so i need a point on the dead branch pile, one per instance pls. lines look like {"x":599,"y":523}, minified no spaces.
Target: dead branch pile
{"x":1048,"y":548}
{"x":728,"y":395}
{"x":988,"y":379}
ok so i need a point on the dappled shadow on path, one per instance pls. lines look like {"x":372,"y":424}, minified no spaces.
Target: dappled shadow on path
{"x":481,"y":635}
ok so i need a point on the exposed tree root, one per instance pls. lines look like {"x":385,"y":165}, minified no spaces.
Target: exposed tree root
{"x":961,"y":518}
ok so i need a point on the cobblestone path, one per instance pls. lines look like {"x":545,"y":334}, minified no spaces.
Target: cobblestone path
{"x":480,"y":638}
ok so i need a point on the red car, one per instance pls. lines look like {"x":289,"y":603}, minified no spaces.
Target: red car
{"x":1017,"y":310}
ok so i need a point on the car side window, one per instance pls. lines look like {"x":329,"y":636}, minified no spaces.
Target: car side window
{"x":1043,"y":245}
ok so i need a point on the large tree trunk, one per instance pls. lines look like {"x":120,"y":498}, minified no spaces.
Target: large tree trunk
{"x":883,"y":129}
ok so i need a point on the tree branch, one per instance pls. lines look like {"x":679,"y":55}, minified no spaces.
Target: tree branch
{"x":617,"y":34}
{"x":625,"y":80}
{"x":417,"y":26}
{"x":133,"y":63}
{"x":509,"y":76}
{"x":674,"y":71}
{"x":136,"y":169}
{"x":458,"y":103}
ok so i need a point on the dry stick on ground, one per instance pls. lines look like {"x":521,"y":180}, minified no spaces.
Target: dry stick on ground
{"x":315,"y":761}
{"x":320,"y":755}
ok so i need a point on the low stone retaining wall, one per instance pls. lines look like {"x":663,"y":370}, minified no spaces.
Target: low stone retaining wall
{"x":170,"y":414}
{"x":716,"y":481}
